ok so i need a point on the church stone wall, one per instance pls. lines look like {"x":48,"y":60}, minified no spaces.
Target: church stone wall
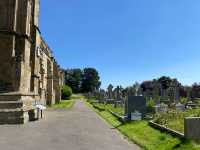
{"x":28,"y":71}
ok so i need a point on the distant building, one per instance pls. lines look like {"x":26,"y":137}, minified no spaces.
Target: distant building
{"x":28,"y":72}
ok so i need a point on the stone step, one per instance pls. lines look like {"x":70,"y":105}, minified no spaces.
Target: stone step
{"x":12,"y":121}
{"x":10,"y":104}
{"x":13,"y":116}
{"x":9,"y":98}
{"x":16,"y":108}
{"x":6,"y":113}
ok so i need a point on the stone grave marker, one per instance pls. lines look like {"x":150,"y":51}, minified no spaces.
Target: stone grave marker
{"x":180,"y":107}
{"x":191,"y":128}
{"x":102,"y":95}
{"x":161,"y":108}
{"x":135,"y":104}
{"x":110,"y":91}
{"x":118,"y":97}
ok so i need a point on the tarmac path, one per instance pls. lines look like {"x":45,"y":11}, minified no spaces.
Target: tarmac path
{"x":78,"y":128}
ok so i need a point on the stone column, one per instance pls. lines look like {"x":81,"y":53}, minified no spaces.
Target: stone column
{"x":49,"y":82}
{"x":56,"y":80}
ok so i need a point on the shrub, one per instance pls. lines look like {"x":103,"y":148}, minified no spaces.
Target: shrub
{"x":150,"y":106}
{"x":66,"y":92}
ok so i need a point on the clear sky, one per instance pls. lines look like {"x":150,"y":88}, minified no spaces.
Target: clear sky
{"x":125,"y":40}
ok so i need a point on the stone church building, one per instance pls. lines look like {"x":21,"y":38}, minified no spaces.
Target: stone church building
{"x":29,"y":73}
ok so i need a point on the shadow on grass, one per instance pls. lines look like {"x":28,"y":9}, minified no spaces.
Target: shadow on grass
{"x":184,"y":141}
{"x":98,"y":108}
{"x":116,"y":127}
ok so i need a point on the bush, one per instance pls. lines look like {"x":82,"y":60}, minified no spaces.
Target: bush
{"x":150,"y":106}
{"x":66,"y":92}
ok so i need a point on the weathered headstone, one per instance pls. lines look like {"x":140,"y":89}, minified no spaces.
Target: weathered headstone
{"x":161,"y":108}
{"x":118,"y":97}
{"x":175,"y":87}
{"x":102,"y":96}
{"x":192,"y":128}
{"x":156,"y":92}
{"x":110,"y":92}
{"x":180,"y":107}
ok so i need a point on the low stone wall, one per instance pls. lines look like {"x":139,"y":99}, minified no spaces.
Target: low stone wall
{"x":165,"y":129}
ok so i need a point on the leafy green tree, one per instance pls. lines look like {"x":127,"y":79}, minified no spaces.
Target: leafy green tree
{"x":165,"y":82}
{"x":73,"y":78}
{"x":90,"y":80}
{"x":147,"y":86}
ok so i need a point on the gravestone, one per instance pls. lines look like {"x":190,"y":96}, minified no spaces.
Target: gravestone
{"x":139,"y":92}
{"x":102,"y":95}
{"x":161,"y":108}
{"x":176,"y":96}
{"x":180,"y":107}
{"x":135,"y":104}
{"x":189,"y":93}
{"x":156,"y":92}
{"x":118,"y":97}
{"x":110,"y":91}
{"x":191,"y":128}
{"x":177,"y":92}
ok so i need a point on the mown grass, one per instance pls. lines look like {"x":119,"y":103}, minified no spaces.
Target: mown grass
{"x":64,"y":104}
{"x":110,"y":107}
{"x":145,"y":136}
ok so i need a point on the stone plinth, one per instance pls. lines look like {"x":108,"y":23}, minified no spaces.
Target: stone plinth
{"x":15,"y":108}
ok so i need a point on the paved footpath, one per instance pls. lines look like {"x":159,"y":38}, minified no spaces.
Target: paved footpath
{"x":78,"y":128}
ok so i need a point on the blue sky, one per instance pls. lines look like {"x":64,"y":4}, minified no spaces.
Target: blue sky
{"x":125,"y":40}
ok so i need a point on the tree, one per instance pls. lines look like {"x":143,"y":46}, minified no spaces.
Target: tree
{"x":90,"y":80}
{"x":73,"y":78}
{"x":165,"y":82}
{"x":147,"y":85}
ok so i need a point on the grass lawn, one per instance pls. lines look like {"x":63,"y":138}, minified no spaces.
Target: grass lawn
{"x":118,"y":110}
{"x":147,"y":137}
{"x":64,"y":104}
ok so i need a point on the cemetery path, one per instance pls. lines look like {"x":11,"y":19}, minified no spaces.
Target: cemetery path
{"x":78,"y":128}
